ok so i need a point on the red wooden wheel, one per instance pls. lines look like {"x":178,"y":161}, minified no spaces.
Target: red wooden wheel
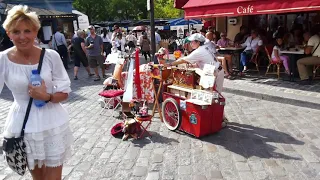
{"x":171,"y":114}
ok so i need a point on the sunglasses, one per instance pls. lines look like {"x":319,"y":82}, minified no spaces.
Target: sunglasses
{"x":223,"y":35}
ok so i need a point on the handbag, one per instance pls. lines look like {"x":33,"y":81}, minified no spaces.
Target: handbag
{"x":14,"y":148}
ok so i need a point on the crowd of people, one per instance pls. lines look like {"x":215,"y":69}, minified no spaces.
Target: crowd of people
{"x":281,"y":40}
{"x":90,"y":49}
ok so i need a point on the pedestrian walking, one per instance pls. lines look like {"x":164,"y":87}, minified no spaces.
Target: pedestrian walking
{"x":80,"y":54}
{"x":131,"y":40}
{"x":60,"y":44}
{"x":116,"y":30}
{"x":119,"y":42}
{"x":106,"y":42}
{"x":94,"y":46}
{"x":145,"y":46}
{"x":158,"y":39}
{"x":47,"y":136}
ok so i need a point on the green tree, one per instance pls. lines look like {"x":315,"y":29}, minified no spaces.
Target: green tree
{"x":165,"y":9}
{"x":92,"y":8}
{"x":103,"y":10}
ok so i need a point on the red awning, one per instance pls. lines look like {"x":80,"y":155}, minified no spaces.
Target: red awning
{"x":214,"y":8}
{"x":179,"y":3}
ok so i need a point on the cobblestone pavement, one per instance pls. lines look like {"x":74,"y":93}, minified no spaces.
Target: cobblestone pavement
{"x":264,"y":140}
{"x":278,"y":88}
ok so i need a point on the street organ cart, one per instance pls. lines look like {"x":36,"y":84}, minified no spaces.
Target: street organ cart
{"x":186,"y":106}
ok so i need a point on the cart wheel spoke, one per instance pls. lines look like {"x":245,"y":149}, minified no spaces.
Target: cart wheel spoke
{"x":171,"y":114}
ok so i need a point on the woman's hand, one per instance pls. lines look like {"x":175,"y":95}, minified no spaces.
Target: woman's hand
{"x":39,"y":92}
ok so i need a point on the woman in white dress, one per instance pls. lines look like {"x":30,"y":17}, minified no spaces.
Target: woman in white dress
{"x":47,"y":134}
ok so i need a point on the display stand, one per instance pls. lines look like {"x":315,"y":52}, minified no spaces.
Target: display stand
{"x":159,"y":74}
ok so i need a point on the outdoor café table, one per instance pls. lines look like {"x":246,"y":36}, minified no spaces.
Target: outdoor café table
{"x":233,"y":51}
{"x":294,"y":55}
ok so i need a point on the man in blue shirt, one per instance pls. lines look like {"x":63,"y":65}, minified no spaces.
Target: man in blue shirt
{"x":94,"y":46}
{"x":59,"y":43}
{"x":158,"y":39}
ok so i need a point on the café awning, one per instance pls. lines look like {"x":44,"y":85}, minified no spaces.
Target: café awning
{"x":216,"y":8}
{"x":179,"y":3}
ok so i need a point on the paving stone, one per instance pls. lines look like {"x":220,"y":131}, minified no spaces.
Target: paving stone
{"x":142,"y":162}
{"x":140,"y":171}
{"x":85,"y":166}
{"x":76,"y":175}
{"x":156,"y":167}
{"x":153,"y":176}
{"x":111,"y":147}
{"x":184,"y":161}
{"x":271,"y":162}
{"x":132,"y":153}
{"x":96,"y":150}
{"x":261,"y":175}
{"x":159,"y":150}
{"x":246,"y":175}
{"x":310,"y":173}
{"x":126,"y":165}
{"x":287,"y":147}
{"x":105,"y":155}
{"x":241,"y":166}
{"x":66,"y":170}
{"x":199,"y":177}
{"x":157,"y":158}
{"x":255,"y":165}
{"x":278,"y":171}
{"x":145,"y":153}
{"x":239,"y":158}
{"x":184,"y":170}
{"x":215,"y":175}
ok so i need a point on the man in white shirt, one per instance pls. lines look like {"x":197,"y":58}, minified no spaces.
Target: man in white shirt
{"x":313,"y":50}
{"x":204,"y":53}
{"x":59,"y":43}
{"x":251,"y":46}
{"x":158,"y":39}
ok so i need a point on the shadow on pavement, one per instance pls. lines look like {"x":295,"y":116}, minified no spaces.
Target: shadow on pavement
{"x":249,"y":141}
{"x":156,"y":138}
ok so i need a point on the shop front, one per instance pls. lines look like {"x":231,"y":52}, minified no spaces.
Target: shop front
{"x":50,"y":20}
{"x":261,"y":14}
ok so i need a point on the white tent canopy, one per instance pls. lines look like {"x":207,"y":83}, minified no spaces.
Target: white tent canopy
{"x":82,"y":19}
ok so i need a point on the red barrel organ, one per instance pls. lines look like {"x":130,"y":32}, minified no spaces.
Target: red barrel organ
{"x":186,"y":106}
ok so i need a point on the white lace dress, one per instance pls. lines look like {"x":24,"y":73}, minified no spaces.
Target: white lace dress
{"x":47,"y":134}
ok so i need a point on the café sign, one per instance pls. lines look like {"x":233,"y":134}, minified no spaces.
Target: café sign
{"x":245,"y":10}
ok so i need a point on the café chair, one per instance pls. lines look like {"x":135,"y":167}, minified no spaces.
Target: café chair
{"x":254,"y":59}
{"x":268,"y":50}
{"x":316,"y":69}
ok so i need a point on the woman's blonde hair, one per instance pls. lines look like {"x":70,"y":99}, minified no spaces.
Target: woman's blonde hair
{"x":18,"y":14}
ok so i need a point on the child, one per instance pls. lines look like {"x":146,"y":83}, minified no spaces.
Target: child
{"x":161,"y":55}
{"x":277,"y":56}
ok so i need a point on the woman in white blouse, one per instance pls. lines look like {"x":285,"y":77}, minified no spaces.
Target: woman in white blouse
{"x":47,"y":133}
